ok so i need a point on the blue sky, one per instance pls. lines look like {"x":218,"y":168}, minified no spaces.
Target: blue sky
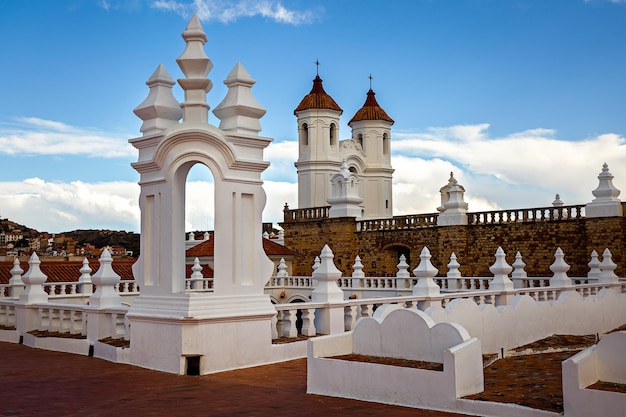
{"x":520,"y":99}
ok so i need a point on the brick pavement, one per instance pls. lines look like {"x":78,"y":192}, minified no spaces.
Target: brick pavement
{"x":43,"y":383}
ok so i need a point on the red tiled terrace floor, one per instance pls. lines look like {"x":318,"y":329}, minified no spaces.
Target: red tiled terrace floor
{"x":43,"y":383}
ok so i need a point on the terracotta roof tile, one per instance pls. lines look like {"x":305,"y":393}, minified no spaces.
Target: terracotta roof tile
{"x":207,"y":248}
{"x":68,"y":271}
{"x":317,"y":99}
{"x":371,"y":110}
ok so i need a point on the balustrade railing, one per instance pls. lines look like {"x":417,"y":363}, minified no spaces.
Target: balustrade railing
{"x":285,"y":324}
{"x":417,"y":221}
{"x":540,"y":214}
{"x":311,"y":213}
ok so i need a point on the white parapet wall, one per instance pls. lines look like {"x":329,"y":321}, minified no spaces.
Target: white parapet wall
{"x":601,"y":362}
{"x":400,"y":333}
{"x":525,"y":320}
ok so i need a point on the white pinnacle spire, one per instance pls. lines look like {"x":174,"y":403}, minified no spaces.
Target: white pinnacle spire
{"x":160,"y":109}
{"x":194,"y":63}
{"x":239,"y":111}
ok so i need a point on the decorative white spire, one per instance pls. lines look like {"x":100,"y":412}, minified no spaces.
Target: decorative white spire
{"x":403,"y":268}
{"x":607,"y":266}
{"x":33,"y":280}
{"x":357,"y":268}
{"x":559,"y":269}
{"x":605,"y":203}
{"x":557,"y":201}
{"x":105,"y":280}
{"x":326,"y":275}
{"x":425,"y":272}
{"x":160,"y":109}
{"x":194,"y":63}
{"x":500,"y":270}
{"x":594,"y":266}
{"x":239,"y":111}
{"x":453,"y":206}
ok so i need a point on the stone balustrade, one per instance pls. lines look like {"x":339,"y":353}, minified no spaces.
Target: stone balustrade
{"x":540,"y":214}
{"x":305,"y":214}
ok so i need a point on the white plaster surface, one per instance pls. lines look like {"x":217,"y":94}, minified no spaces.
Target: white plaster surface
{"x":525,"y":320}
{"x":402,"y":333}
{"x":601,"y":362}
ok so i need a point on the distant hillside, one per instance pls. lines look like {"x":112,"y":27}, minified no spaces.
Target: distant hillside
{"x":7,"y":225}
{"x":101,"y":238}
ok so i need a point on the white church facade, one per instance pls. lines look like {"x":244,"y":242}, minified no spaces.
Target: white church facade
{"x":367,"y":155}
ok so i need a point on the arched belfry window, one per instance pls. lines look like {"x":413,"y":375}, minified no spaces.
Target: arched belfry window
{"x":359,"y":140}
{"x":385,"y":144}
{"x":333,"y":134}
{"x":304,"y":135}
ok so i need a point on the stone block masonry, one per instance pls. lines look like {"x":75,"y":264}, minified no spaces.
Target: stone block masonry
{"x":473,"y":244}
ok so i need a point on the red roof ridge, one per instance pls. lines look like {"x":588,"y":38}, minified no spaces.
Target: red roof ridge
{"x":318,"y":98}
{"x":371,"y":110}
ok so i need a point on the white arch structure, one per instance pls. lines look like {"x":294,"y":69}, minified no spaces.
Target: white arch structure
{"x":230,"y":326}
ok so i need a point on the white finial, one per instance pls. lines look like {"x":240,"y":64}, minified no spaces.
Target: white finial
{"x":105,"y":280}
{"x":194,"y":63}
{"x":239,"y":111}
{"x":357,"y":268}
{"x":557,"y":201}
{"x":453,"y":267}
{"x":594,"y":266}
{"x":559,"y":269}
{"x":500,"y":270}
{"x":282,"y":268}
{"x":518,"y":268}
{"x":33,"y":280}
{"x":425,"y":272}
{"x":196,"y":269}
{"x":605,"y":203}
{"x":160,"y":109}
{"x":403,"y":268}
{"x":316,"y":263}
{"x":326,"y":275}
{"x":607,"y":266}
{"x":16,"y":273}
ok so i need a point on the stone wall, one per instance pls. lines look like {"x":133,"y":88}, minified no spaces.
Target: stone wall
{"x":474,"y":244}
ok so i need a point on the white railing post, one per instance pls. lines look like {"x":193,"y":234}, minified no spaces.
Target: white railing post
{"x":357,"y":271}
{"x":86,"y":285}
{"x":403,"y":275}
{"x":454,"y":275}
{"x":594,"y":266}
{"x":15,"y":282}
{"x":100,"y":323}
{"x":559,"y":269}
{"x":425,"y":272}
{"x":607,"y":266}
{"x":519,"y":275}
{"x":26,"y":316}
{"x":329,"y":319}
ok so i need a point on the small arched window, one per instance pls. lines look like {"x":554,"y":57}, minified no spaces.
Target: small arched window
{"x":385,"y":144}
{"x":359,"y":140}
{"x":333,"y":134}
{"x":304,"y":135}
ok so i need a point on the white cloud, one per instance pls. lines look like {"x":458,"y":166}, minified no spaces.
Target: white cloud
{"x":59,"y":207}
{"x":34,"y":136}
{"x":523,"y":169}
{"x":520,"y":170}
{"x":229,"y":11}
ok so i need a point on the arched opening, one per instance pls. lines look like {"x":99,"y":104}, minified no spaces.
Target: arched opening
{"x":392,"y":254}
{"x":385,"y":144}
{"x":333,"y":134}
{"x":199,"y":225}
{"x":199,"y":199}
{"x":304,"y":134}
{"x":359,"y":140}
